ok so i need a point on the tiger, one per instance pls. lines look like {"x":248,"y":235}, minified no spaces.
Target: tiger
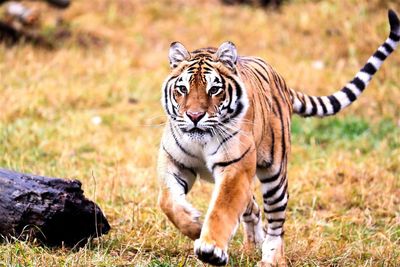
{"x":228,"y":122}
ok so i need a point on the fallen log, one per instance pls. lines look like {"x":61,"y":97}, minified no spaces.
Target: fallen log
{"x":51,"y":210}
{"x":11,"y":35}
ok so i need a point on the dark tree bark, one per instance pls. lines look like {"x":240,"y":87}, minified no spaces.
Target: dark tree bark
{"x":51,"y":210}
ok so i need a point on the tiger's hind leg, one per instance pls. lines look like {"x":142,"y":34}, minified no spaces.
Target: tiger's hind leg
{"x":275,"y":197}
{"x":252,"y":224}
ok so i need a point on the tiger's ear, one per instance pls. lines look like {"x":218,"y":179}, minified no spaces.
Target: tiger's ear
{"x":177,"y":54}
{"x":227,"y":54}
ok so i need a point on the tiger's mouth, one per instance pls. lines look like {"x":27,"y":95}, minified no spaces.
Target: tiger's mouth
{"x":196,"y":131}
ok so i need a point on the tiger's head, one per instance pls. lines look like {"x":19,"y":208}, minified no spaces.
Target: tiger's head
{"x":204,"y":94}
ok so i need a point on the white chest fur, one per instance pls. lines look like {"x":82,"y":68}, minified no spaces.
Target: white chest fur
{"x":199,"y":152}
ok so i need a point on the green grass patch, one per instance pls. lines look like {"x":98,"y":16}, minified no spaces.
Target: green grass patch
{"x":344,"y":132}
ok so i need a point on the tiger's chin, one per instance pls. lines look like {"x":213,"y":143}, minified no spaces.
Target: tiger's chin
{"x":198,"y":135}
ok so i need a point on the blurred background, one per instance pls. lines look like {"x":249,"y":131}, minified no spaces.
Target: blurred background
{"x":79,"y":98}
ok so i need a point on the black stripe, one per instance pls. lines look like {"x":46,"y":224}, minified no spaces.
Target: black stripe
{"x":279,"y":84}
{"x":283,"y":142}
{"x":350,"y":95}
{"x":273,"y":190}
{"x":277,"y":209}
{"x":223,"y":141}
{"x":314,"y":106}
{"x":272,"y":178}
{"x":270,"y":203}
{"x":229,"y":93}
{"x":238,"y":110}
{"x":178,"y":144}
{"x":254,"y":60}
{"x":359,"y":83}
{"x":237,"y":87}
{"x":281,"y":174}
{"x":166,"y":95}
{"x":388,"y":48}
{"x":192,"y":69}
{"x":261,"y":63}
{"x":193,"y":63}
{"x":271,"y":220}
{"x":249,"y":208}
{"x":207,"y":64}
{"x":283,"y":148}
{"x":271,"y":153}
{"x":303,"y":105}
{"x":369,"y":68}
{"x":321,"y":102}
{"x":394,"y":37}
{"x":247,"y":214}
{"x":182,"y":182}
{"x":227,"y":163}
{"x":181,"y":165}
{"x":275,"y":234}
{"x":172,"y":97}
{"x":262,"y":75}
{"x":335,"y":103}
{"x":380,"y":55}
{"x":253,"y":71}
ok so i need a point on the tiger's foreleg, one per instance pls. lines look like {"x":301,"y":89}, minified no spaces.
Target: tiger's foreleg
{"x":176,"y":182}
{"x":253,"y":227}
{"x":275,"y":197}
{"x":232,"y":193}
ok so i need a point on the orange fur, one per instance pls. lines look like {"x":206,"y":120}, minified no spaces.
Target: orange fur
{"x":229,"y":121}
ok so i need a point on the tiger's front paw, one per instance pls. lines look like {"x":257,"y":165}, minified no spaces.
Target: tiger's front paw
{"x":189,"y":222}
{"x":209,"y":253}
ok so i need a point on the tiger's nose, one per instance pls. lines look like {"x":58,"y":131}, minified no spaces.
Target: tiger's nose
{"x":195,"y":116}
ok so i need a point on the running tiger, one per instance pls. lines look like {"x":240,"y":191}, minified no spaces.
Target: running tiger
{"x":229,"y":121}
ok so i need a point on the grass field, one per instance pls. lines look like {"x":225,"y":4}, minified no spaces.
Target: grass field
{"x":344,"y":175}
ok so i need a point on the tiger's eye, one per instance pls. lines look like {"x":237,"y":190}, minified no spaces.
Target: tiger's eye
{"x":183,"y":90}
{"x":213,"y":90}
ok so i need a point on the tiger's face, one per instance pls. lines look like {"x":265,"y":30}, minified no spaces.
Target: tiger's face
{"x":204,"y":94}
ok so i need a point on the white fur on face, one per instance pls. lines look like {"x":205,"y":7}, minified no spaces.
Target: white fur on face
{"x":213,"y":79}
{"x":183,"y":80}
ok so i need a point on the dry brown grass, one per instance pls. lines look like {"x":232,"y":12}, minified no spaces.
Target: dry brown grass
{"x":344,"y":171}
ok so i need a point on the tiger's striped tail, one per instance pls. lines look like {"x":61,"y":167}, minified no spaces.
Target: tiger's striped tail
{"x":321,"y":106}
